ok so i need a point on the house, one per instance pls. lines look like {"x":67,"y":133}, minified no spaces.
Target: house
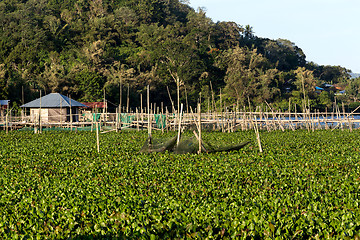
{"x":4,"y":106}
{"x":318,"y":89}
{"x":53,"y":107}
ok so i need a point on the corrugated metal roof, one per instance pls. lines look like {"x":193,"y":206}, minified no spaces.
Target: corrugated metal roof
{"x":4,"y":102}
{"x":94,"y":104}
{"x":53,"y":100}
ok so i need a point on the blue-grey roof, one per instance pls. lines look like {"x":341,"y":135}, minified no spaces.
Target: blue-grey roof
{"x":4,"y":102}
{"x":53,"y":100}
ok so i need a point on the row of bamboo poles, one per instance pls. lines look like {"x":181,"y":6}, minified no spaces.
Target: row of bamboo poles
{"x":227,"y":121}
{"x":222,"y":118}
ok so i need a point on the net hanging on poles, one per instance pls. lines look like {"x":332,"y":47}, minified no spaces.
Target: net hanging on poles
{"x":186,"y":145}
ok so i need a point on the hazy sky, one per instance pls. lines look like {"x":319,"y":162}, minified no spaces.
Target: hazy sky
{"x":328,"y":31}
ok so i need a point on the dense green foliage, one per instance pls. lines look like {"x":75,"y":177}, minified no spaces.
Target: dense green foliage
{"x":63,"y":45}
{"x":56,"y":186}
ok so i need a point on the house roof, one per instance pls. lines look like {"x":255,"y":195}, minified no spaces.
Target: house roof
{"x":4,"y":102}
{"x":326,"y":85}
{"x":53,"y":100}
{"x":94,"y":104}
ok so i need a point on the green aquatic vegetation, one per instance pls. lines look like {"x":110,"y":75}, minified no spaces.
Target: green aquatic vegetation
{"x":56,"y":186}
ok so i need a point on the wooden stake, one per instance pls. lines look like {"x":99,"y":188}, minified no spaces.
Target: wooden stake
{"x":128,"y":99}
{"x":172,"y":102}
{"x":97,"y":137}
{"x":7,"y":121}
{"x":71,"y":120}
{"x":141,"y":111}
{"x":92,"y":121}
{"x":40,"y":130}
{"x":161,"y":118}
{"x":137,"y":120}
{"x":199,"y":114}
{"x":186,"y":99}
{"x":117,"y":120}
{"x":179,"y":129}
{"x":258,"y":135}
{"x":148,"y":111}
{"x":120,"y":104}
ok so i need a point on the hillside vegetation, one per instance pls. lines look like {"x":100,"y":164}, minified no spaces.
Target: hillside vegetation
{"x":81,"y":48}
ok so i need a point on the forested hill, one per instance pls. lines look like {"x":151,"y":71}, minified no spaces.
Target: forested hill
{"x":80,"y":47}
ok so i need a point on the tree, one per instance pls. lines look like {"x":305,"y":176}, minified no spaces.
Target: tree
{"x":285,"y":54}
{"x":329,"y":74}
{"x":227,"y":34}
{"x":3,"y":82}
{"x":117,"y":76}
{"x":325,"y":100}
{"x":353,"y":89}
{"x":305,"y":83}
{"x":248,"y":76}
{"x":199,"y":28}
{"x":90,"y":86}
{"x":53,"y":77}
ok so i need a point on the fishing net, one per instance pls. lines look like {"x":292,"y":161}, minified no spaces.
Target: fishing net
{"x":158,"y":145}
{"x":127,"y":118}
{"x":187,"y":145}
{"x":160,"y":120}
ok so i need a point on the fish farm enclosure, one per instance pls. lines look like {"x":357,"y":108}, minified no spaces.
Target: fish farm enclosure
{"x":56,"y":185}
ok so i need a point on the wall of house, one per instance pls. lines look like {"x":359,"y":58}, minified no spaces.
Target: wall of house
{"x":48,"y":115}
{"x":36,"y":115}
{"x":57,"y":114}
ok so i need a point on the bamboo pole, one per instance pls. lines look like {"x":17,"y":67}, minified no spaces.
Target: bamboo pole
{"x":296,"y":116}
{"x":243,"y":121}
{"x":172,"y":102}
{"x":7,"y":121}
{"x":71,"y":119}
{"x":186,"y":99}
{"x":92,"y":121}
{"x":161,"y":118}
{"x":141,"y":112}
{"x":343,"y":118}
{"x":148,"y":111}
{"x":290,"y":120}
{"x":137,"y":120}
{"x":97,"y":137}
{"x":179,"y":129}
{"x":117,"y":120}
{"x":212,"y":98}
{"x":167,"y":120}
{"x":40,"y":127}
{"x":199,"y":114}
{"x":120,"y":105}
{"x":257,"y":134}
{"x":128,"y":99}
{"x":221,"y":113}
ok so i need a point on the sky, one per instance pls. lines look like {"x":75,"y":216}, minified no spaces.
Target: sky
{"x":328,"y":31}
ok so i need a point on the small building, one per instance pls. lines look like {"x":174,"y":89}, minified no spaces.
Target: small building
{"x":319,"y":89}
{"x":53,"y":107}
{"x":4,"y":106}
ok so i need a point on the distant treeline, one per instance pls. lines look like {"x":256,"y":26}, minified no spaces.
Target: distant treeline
{"x":81,"y":48}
